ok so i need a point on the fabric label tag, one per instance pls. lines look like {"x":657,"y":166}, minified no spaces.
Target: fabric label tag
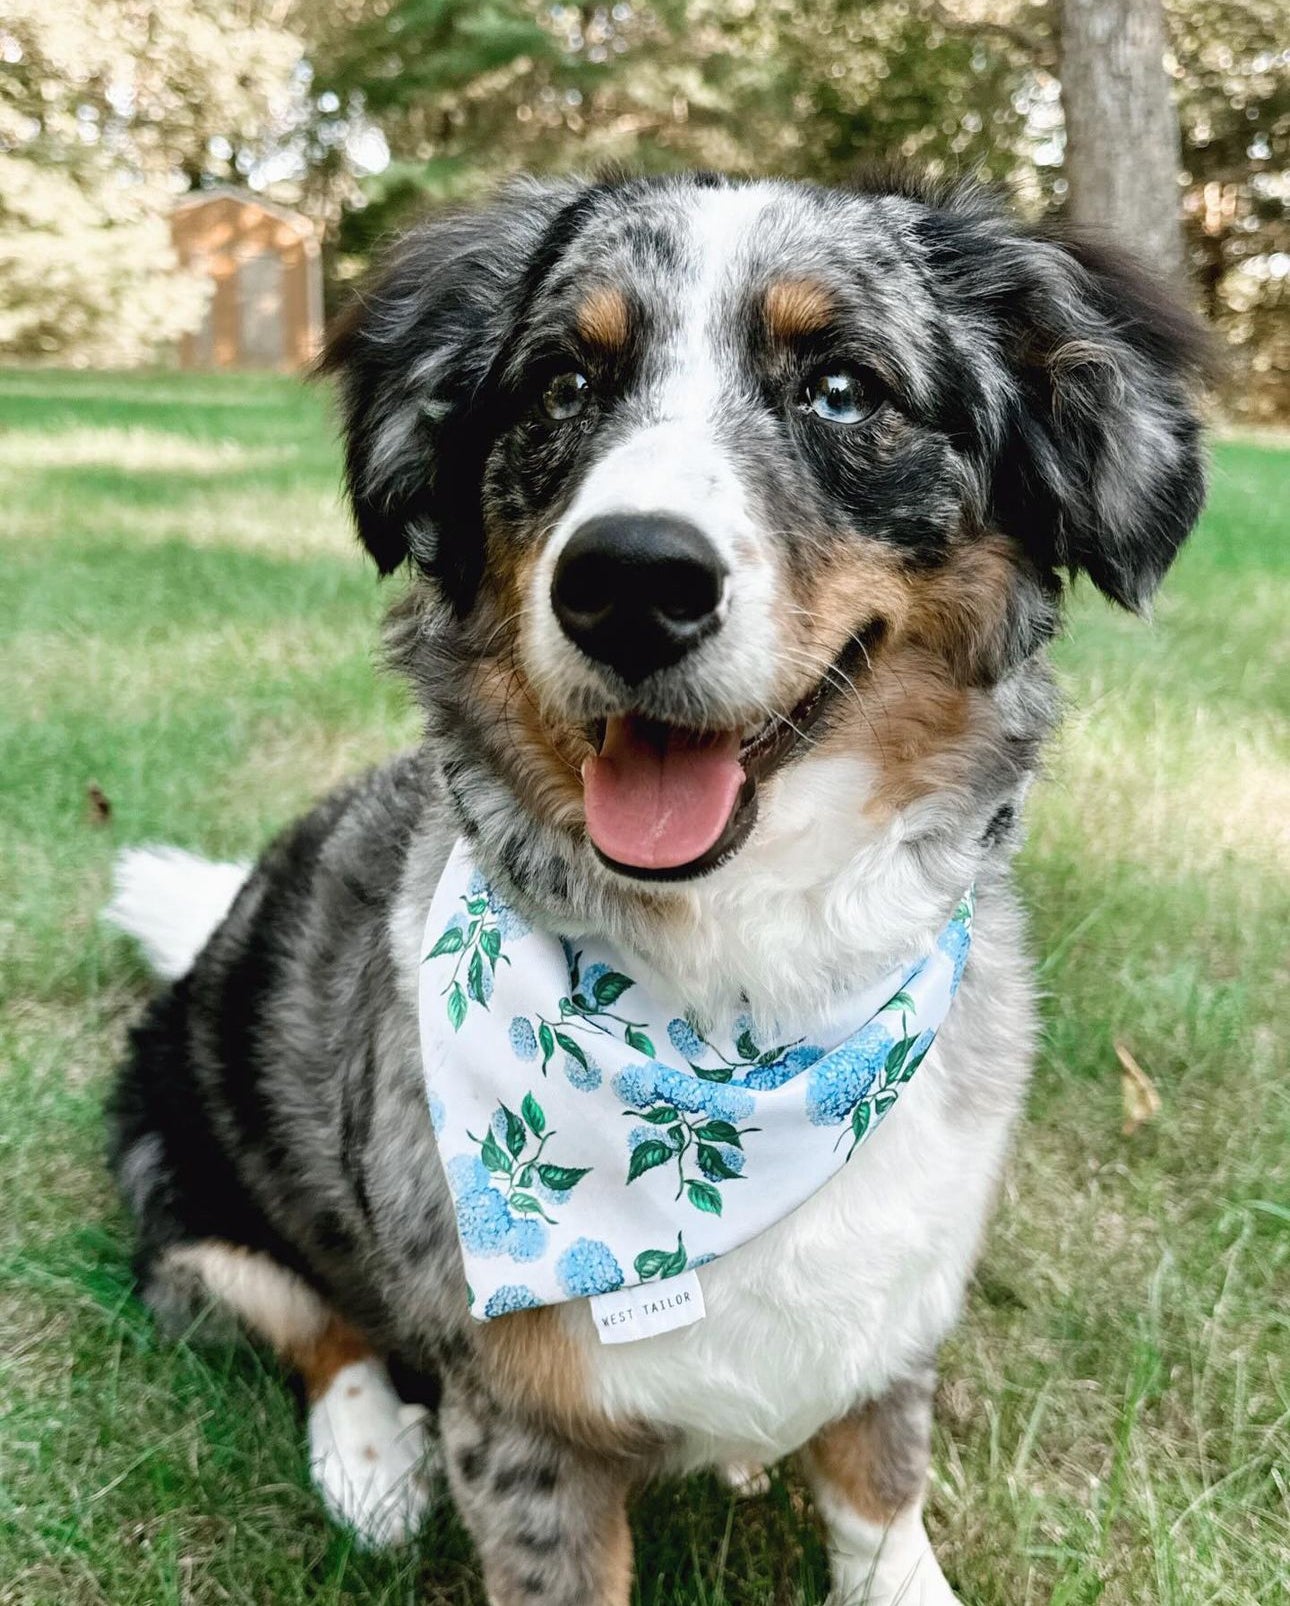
{"x":649,"y":1308}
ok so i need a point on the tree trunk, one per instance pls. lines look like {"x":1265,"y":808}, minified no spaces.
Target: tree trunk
{"x":1122,"y":143}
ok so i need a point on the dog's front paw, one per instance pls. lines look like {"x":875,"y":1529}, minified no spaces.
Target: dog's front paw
{"x":370,"y":1456}
{"x":891,"y":1582}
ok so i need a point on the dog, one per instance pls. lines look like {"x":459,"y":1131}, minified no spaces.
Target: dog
{"x":737,"y":516}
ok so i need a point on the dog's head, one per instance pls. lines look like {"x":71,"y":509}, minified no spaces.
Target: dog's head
{"x":705,"y":478}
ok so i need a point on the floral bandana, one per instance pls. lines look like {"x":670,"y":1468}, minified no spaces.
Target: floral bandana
{"x":595,"y":1141}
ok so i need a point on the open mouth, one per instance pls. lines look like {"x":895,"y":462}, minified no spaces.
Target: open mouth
{"x":665,"y":803}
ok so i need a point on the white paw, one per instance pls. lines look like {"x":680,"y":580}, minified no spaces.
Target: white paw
{"x":897,"y":1576}
{"x":926,"y":1586}
{"x":370,"y":1455}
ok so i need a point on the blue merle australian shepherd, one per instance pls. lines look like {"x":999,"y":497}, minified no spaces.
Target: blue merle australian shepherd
{"x":736,"y":517}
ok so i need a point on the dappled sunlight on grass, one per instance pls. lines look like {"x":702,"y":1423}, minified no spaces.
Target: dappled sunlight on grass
{"x":136,"y":451}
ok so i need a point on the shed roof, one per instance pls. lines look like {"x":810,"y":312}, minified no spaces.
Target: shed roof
{"x":228,"y":192}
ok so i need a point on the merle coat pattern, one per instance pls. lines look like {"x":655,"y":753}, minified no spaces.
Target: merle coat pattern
{"x":900,"y":419}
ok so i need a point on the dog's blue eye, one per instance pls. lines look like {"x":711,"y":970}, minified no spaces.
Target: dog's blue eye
{"x":838,"y":398}
{"x":566,"y":396}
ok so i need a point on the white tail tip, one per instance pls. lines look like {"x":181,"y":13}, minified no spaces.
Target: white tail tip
{"x":171,"y":902}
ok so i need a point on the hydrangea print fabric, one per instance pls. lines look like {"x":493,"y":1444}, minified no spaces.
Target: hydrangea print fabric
{"x":594,"y":1139}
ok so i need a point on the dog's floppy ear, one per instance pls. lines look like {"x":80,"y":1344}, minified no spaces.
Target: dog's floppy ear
{"x":1098,"y":464}
{"x":412,"y":354}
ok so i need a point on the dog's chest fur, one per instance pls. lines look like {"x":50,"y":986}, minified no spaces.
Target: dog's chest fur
{"x":847,"y":1294}
{"x":857,"y":1287}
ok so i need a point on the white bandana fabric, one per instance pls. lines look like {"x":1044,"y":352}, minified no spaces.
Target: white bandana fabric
{"x":595,"y":1140}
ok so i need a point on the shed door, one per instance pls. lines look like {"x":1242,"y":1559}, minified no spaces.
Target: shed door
{"x":261,"y":312}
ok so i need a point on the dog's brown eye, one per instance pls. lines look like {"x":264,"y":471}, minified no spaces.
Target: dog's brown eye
{"x":566,"y":396}
{"x":840,"y":397}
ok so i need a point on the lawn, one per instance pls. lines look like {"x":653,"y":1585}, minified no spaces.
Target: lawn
{"x":186,"y":626}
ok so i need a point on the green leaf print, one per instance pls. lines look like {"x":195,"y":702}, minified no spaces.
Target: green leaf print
{"x":645,"y":1156}
{"x":637,"y":1039}
{"x":516,"y":1132}
{"x":456,"y":1006}
{"x":660,"y":1117}
{"x":475,"y":979}
{"x":494,"y":1156}
{"x":703,"y":1196}
{"x":651,"y":1263}
{"x":722,"y":1132}
{"x":533,"y":1113}
{"x":451,"y":942}
{"x":561,"y":1178}
{"x":714,"y":1166}
{"x":573,"y":1049}
{"x":610,"y":987}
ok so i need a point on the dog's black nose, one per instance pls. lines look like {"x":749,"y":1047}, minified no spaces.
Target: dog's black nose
{"x":637,"y":591}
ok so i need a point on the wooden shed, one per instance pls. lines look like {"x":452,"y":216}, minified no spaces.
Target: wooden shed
{"x":266,"y":267}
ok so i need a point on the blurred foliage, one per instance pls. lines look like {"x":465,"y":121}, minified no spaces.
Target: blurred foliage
{"x":108,"y":110}
{"x":363,"y":112}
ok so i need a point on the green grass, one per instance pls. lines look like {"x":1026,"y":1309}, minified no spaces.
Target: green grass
{"x":184,"y":623}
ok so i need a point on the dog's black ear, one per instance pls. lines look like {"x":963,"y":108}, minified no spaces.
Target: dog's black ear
{"x":1095,"y":435}
{"x":412,"y":354}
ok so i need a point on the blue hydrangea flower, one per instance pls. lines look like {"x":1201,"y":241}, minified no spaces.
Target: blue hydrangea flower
{"x":724,"y":1102}
{"x":954,"y":943}
{"x":467,"y":1173}
{"x":635,"y":1085}
{"x":590,"y":976}
{"x":511,"y":925}
{"x":764,"y":1077}
{"x":509,"y":1297}
{"x":733,"y":1157}
{"x":527,"y":1240}
{"x":924,"y":1042}
{"x":583,"y":1077}
{"x":438,"y":1115}
{"x":647,"y":1134}
{"x":841,"y":1079}
{"x":685,"y":1040}
{"x":484,"y":1220}
{"x":588,"y":1267}
{"x":457,"y":923}
{"x":477,"y":887}
{"x":523,"y":1038}
{"x":679,"y":1088}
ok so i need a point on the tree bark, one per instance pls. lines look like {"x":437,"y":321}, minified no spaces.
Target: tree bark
{"x":1122,"y":142}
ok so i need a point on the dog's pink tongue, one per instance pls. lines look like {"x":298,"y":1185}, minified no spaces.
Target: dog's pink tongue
{"x":658,"y":797}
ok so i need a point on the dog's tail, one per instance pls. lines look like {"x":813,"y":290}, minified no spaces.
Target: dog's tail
{"x":171,"y":902}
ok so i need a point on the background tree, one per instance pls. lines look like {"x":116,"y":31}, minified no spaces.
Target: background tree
{"x":108,"y":110}
{"x":363,"y":112}
{"x":1122,"y":153}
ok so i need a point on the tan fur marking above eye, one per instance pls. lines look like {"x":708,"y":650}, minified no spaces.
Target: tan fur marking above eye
{"x":797,"y":307}
{"x":536,"y":1365}
{"x":604,"y":318}
{"x":859,"y":1459}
